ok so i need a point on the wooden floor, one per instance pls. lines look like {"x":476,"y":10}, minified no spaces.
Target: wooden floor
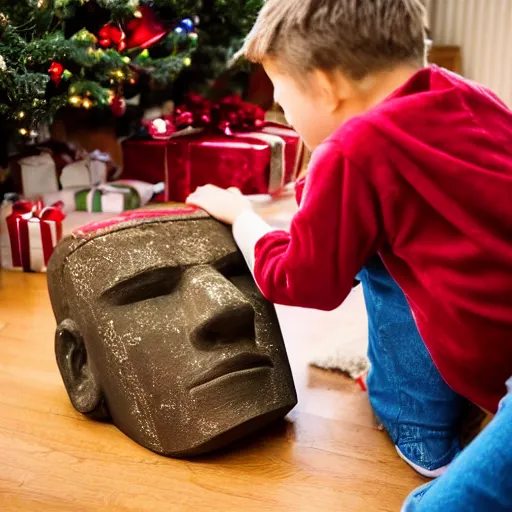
{"x":328,"y":455}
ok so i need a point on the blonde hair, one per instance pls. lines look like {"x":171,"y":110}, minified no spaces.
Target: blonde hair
{"x":359,"y":37}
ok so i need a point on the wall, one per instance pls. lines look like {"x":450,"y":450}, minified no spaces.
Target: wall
{"x":483,"y":30}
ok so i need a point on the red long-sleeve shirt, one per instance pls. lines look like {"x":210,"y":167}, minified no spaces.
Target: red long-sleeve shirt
{"x":424,"y":180}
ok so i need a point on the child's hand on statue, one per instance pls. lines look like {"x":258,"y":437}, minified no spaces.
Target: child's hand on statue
{"x":224,"y":205}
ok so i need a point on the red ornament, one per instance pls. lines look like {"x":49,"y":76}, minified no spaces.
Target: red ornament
{"x":118,"y":106}
{"x":56,"y":70}
{"x":144,"y":31}
{"x":112,"y":35}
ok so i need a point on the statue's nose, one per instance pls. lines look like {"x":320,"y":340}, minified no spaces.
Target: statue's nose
{"x":223,"y":313}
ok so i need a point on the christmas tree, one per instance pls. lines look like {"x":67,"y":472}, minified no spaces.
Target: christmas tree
{"x":91,"y":54}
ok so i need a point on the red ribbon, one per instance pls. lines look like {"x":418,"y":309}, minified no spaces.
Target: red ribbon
{"x":24,"y":212}
{"x":228,"y":115}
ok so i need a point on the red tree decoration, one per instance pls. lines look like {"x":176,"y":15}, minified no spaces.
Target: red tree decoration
{"x":112,"y":35}
{"x":118,"y":106}
{"x":56,"y":70}
{"x":144,"y":31}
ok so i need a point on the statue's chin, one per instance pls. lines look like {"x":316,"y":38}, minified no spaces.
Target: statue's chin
{"x":225,"y":438}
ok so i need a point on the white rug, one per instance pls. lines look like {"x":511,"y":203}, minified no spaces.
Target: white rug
{"x":336,"y":340}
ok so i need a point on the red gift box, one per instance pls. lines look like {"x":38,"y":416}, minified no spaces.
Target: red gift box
{"x":230,"y":147}
{"x":33,"y":231}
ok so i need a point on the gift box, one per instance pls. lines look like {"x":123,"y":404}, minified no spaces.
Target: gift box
{"x":84,"y":173}
{"x":52,"y":166}
{"x":38,"y":175}
{"x":29,"y":234}
{"x":228,"y":145}
{"x":114,"y":197}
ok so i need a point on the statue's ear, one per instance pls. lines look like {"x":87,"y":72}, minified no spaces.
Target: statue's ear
{"x":81,"y":384}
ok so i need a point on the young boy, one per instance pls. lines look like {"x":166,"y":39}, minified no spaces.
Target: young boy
{"x":411,"y":175}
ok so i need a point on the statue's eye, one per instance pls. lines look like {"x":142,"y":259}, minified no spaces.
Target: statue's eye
{"x":233,"y":267}
{"x":148,"y":285}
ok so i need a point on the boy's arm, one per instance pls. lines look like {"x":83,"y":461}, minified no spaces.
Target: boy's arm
{"x":248,"y":229}
{"x":335,"y":231}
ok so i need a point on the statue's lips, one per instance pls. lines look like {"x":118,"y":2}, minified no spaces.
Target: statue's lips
{"x":241,"y":363}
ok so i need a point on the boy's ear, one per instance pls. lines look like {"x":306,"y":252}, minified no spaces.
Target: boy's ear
{"x":333,"y":88}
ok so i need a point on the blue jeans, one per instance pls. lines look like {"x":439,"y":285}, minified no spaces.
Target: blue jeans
{"x":479,"y":480}
{"x":418,"y":409}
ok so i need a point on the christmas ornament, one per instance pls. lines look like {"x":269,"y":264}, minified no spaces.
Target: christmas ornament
{"x":56,"y":71}
{"x":185,"y":26}
{"x":118,"y":106}
{"x":112,"y":35}
{"x":85,"y":35}
{"x":144,"y":31}
{"x":3,"y":65}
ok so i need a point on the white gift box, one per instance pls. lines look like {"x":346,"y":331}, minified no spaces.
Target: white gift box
{"x":5,"y":246}
{"x":73,"y":221}
{"x":84,"y":173}
{"x":35,"y":243}
{"x":112,"y":197}
{"x":38,"y":175}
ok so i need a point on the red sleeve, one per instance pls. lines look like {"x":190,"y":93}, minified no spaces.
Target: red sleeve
{"x":331,"y":237}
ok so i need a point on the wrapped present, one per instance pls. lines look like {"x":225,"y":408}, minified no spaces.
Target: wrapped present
{"x":32,"y":231}
{"x":227,"y":144}
{"x":114,"y":197}
{"x":84,"y":173}
{"x":38,"y":175}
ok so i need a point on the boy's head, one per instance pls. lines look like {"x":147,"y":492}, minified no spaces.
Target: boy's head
{"x":324,"y":56}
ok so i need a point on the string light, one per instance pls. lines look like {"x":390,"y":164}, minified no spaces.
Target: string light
{"x":187,"y":61}
{"x":75,"y":100}
{"x":23,"y":131}
{"x":132,"y":81}
{"x":87,"y":103}
{"x":137,"y":14}
{"x":41,"y":4}
{"x":119,"y":74}
{"x":21,"y":115}
{"x":126,"y":60}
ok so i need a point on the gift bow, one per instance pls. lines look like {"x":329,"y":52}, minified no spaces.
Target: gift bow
{"x":228,"y":115}
{"x":24,"y":212}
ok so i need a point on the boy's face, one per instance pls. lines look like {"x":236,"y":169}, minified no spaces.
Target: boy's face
{"x":308,"y":108}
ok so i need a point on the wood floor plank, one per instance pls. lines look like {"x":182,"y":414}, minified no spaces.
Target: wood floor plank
{"x":328,"y":455}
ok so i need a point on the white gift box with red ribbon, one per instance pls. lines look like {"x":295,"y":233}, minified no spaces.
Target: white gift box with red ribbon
{"x":29,"y":233}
